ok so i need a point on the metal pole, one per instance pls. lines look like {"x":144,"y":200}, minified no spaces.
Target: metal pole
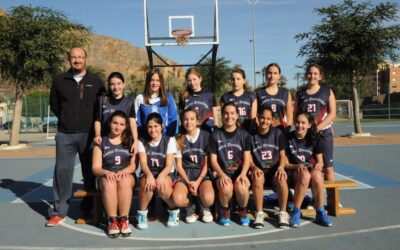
{"x":254,"y":43}
{"x":389,"y":98}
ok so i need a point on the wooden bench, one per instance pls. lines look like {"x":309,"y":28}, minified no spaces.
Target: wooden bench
{"x":97,"y":206}
{"x":332,"y":188}
{"x":333,"y":194}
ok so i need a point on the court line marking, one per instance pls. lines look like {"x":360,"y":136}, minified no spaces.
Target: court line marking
{"x":359,"y":182}
{"x":47,"y":183}
{"x":102,"y":234}
{"x":227,"y":244}
{"x":369,"y":145}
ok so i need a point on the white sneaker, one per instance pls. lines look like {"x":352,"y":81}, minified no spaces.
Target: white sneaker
{"x":173,"y":218}
{"x":191,"y":218}
{"x":283,"y":220}
{"x":207,"y":215}
{"x":259,"y":221}
{"x":142,"y":219}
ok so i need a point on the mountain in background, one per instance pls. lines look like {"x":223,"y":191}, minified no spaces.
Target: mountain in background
{"x":109,"y":54}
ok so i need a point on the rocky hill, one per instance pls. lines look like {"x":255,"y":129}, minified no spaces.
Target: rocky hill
{"x":112,"y":54}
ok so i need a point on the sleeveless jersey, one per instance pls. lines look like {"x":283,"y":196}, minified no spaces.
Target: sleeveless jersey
{"x":317,"y":104}
{"x":300,"y":151}
{"x":194,"y":154}
{"x":265,"y":148}
{"x":115,"y":157}
{"x":229,"y":147}
{"x":277,"y":103}
{"x":109,"y":106}
{"x":157,"y":155}
{"x":243,"y":103}
{"x":202,"y":101}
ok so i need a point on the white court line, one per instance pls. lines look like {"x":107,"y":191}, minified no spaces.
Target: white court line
{"x":64,"y":224}
{"x":47,"y":183}
{"x":359,"y":182}
{"x":226,"y":244}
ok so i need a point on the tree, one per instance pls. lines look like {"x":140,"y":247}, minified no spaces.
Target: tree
{"x":222,"y":76}
{"x":351,"y":39}
{"x":34,"y":42}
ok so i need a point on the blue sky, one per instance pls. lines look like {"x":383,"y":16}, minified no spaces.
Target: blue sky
{"x":277,"y":22}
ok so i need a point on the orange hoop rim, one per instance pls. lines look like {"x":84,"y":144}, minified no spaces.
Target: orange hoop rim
{"x":181,"y":35}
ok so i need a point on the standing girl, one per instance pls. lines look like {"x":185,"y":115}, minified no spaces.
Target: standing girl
{"x":321,"y":103}
{"x":304,"y":163}
{"x":156,"y":99}
{"x":230,"y":159}
{"x":192,"y":167}
{"x":113,"y":101}
{"x":278,"y":99}
{"x":114,"y":167}
{"x":243,"y":99}
{"x":268,"y":167}
{"x":202,"y":100}
{"x":156,"y":156}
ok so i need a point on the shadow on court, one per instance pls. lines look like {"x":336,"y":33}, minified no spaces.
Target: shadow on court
{"x":21,"y":188}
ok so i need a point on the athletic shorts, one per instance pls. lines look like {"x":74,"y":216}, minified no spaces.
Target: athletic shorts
{"x":325,"y":144}
{"x":269,"y":175}
{"x":193,"y":174}
{"x":233,"y":174}
{"x":98,"y":178}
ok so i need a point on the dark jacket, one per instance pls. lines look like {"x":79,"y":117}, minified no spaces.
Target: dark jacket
{"x":74,"y":103}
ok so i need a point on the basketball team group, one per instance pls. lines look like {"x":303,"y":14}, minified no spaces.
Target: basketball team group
{"x":191,"y":157}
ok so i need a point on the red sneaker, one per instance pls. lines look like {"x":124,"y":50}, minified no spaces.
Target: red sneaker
{"x":124,"y":227}
{"x":54,"y":221}
{"x":113,"y":228}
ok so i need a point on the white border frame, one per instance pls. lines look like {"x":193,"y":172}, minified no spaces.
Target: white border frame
{"x":171,"y":18}
{"x":148,"y":42}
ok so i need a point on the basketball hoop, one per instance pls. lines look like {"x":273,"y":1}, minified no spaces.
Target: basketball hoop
{"x":181,"y":36}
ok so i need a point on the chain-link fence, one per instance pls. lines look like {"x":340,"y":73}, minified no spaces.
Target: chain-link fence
{"x":35,"y":115}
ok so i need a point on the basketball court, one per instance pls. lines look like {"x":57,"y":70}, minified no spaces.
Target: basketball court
{"x":26,"y":178}
{"x":26,"y":196}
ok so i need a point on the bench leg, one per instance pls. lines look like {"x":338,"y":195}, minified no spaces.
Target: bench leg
{"x":333,"y":201}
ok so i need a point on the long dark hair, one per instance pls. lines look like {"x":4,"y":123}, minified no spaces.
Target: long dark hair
{"x":114,"y":74}
{"x":156,"y":117}
{"x":311,"y":135}
{"x":309,"y":66}
{"x":162,"y":92}
{"x":243,"y":74}
{"x":236,"y":108}
{"x":126,"y":137}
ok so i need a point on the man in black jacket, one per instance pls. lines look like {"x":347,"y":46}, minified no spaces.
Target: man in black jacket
{"x":73,"y":97}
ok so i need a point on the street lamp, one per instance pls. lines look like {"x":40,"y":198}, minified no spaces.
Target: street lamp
{"x":254,"y":42}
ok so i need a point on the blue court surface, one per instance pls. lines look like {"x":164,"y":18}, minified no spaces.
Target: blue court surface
{"x":26,"y":196}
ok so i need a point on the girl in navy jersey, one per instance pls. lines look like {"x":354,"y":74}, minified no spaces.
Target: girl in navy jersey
{"x":202,"y":100}
{"x":113,"y":101}
{"x":230,"y":159}
{"x":268,"y":166}
{"x":278,"y":99}
{"x":114,"y":168}
{"x":156,"y":99}
{"x":156,"y":156}
{"x":191,"y":164}
{"x":243,"y":99}
{"x":321,"y":103}
{"x":305,"y":163}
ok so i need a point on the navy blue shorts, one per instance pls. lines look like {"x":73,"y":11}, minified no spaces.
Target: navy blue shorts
{"x":325,"y":144}
{"x":193,"y":174}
